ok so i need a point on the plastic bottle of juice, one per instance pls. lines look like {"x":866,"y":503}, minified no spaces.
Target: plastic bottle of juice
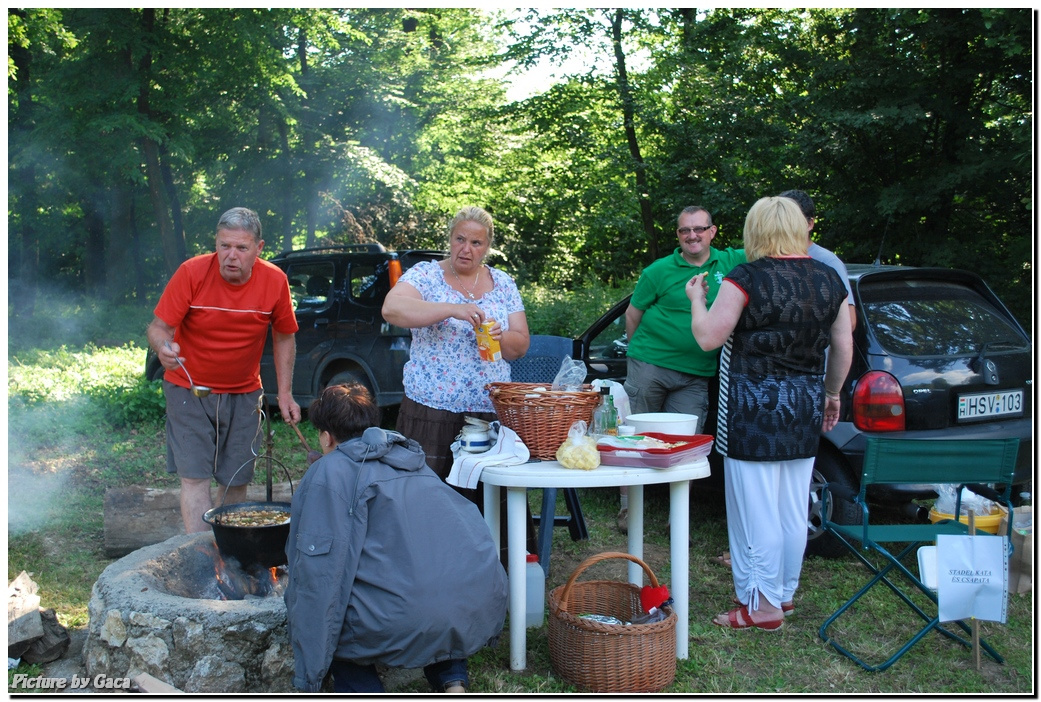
{"x":487,"y":347}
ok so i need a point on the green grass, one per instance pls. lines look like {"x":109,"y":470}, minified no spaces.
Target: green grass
{"x":67,"y":445}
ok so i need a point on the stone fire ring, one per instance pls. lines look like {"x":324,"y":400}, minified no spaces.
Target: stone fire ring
{"x":143,"y":619}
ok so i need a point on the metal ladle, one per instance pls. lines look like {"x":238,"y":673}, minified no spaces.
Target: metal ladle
{"x":197,"y":390}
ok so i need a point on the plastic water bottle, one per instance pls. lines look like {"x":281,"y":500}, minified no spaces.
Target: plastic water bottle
{"x":536,"y":602}
{"x":1023,"y":519}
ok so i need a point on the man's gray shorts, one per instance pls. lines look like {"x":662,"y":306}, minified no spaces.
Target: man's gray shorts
{"x":652,"y":388}
{"x":212,"y":436}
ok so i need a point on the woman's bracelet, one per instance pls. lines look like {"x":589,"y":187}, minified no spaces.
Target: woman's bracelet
{"x":832,"y":395}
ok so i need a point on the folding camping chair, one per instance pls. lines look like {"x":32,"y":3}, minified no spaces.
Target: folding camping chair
{"x":540,"y":365}
{"x":958,"y":462}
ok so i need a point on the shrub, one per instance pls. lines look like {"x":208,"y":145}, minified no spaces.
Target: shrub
{"x":83,"y":386}
{"x":140,"y":402}
{"x":569,"y":312}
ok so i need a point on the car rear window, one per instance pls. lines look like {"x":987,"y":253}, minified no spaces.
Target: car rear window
{"x":935,"y":318}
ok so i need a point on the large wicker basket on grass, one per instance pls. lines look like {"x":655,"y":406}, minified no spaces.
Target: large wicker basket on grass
{"x":609,"y":657}
{"x":541,"y":419}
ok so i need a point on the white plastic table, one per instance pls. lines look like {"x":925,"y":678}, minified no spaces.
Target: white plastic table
{"x":549,"y":474}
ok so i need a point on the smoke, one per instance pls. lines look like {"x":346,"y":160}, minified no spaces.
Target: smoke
{"x":33,"y":498}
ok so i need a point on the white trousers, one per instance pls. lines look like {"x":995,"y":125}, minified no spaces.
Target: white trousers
{"x":767,"y":508}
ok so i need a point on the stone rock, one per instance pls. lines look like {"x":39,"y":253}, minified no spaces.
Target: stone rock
{"x":277,"y":664}
{"x":213,"y":674}
{"x":148,"y":654}
{"x":187,"y":633}
{"x":147,"y":621}
{"x":146,"y":617}
{"x":113,"y":631}
{"x":24,"y":623}
{"x":52,"y":645}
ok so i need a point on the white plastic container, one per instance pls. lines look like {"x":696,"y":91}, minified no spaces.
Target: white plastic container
{"x":663,"y":422}
{"x":536,"y":600}
{"x":473,"y":439}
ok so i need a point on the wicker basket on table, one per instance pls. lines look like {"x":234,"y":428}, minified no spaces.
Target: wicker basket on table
{"x":541,"y":419}
{"x":609,"y":657}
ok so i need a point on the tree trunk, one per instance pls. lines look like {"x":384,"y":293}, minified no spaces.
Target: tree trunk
{"x":310,"y":178}
{"x":139,"y":260}
{"x":94,"y":255}
{"x":29,"y":256}
{"x":286,"y":157}
{"x":173,"y":248}
{"x":643,"y":193}
{"x":171,"y":195}
{"x":122,"y":266}
{"x":25,"y":261}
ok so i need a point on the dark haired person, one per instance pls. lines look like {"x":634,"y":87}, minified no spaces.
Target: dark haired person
{"x":214,"y":316}
{"x":387,"y":563}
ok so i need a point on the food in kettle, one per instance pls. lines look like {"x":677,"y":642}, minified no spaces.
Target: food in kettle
{"x":254,"y":518}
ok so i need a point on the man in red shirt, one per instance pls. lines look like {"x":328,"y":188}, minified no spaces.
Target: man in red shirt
{"x":214,"y":316}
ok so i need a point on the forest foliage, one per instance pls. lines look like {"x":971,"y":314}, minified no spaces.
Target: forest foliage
{"x":131,"y":130}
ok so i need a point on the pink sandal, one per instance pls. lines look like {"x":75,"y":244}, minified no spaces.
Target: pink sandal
{"x":739,"y":618}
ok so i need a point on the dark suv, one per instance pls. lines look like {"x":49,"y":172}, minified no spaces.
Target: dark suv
{"x":338,"y":295}
{"x":936,"y":355}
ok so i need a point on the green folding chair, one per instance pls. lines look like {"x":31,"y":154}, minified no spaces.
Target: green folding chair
{"x":972,"y":463}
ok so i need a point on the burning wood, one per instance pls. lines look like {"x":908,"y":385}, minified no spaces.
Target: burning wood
{"x":233,"y":582}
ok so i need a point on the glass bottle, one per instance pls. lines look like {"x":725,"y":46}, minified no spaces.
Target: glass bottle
{"x":605,"y":417}
{"x":611,"y":423}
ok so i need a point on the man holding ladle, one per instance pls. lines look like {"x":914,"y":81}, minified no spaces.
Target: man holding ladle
{"x":213,"y":317}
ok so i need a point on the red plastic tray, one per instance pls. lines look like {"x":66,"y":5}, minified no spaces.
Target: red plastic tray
{"x":700,"y":445}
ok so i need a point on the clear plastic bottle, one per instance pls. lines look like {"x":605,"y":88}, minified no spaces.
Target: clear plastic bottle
{"x":535,"y":578}
{"x":1023,"y":519}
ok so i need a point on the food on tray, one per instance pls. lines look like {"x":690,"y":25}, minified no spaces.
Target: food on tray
{"x":254,"y":518}
{"x":639,"y":442}
{"x":654,"y":450}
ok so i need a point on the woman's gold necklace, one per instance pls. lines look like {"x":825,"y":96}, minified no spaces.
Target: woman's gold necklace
{"x":468,"y":291}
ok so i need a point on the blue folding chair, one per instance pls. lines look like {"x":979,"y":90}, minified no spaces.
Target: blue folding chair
{"x":540,"y":365}
{"x":961,"y":462}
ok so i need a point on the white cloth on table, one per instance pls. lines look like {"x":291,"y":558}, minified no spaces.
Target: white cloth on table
{"x":508,"y":450}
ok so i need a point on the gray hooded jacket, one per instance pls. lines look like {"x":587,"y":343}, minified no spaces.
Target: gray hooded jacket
{"x":387,"y":563}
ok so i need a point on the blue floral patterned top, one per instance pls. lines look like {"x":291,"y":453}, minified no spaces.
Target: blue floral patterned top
{"x":444,"y":370}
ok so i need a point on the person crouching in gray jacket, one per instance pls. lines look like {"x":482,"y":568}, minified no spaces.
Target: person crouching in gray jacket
{"x":387,"y":563}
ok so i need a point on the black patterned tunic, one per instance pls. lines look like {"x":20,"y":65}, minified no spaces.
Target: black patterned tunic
{"x":771,"y":376}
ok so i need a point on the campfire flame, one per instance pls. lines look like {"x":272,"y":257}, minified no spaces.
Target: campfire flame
{"x":233,"y":582}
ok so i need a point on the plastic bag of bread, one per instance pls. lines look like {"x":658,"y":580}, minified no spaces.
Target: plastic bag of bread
{"x":578,"y":450}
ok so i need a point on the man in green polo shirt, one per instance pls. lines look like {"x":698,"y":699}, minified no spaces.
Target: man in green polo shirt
{"x":667,"y":370}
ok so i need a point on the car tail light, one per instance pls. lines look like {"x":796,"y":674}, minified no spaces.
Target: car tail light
{"x":394,"y":269}
{"x":878,"y":403}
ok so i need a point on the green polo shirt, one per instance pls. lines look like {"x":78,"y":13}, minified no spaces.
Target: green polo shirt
{"x":664,"y":338}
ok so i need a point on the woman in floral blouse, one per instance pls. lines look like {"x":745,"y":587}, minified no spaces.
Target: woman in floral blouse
{"x":444,"y":303}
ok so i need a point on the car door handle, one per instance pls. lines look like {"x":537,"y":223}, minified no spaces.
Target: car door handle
{"x":321,"y":321}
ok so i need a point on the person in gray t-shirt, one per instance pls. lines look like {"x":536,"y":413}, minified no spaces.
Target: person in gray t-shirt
{"x":819,"y":253}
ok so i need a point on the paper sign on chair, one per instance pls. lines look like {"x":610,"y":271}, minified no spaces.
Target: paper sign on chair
{"x":972,"y":577}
